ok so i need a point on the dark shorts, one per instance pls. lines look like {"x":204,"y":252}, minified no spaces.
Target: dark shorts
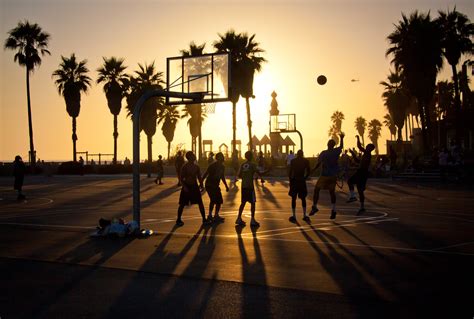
{"x":159,"y":174}
{"x":359,"y":179}
{"x":248,"y":195}
{"x":215,"y":195}
{"x":326,"y":182}
{"x":298,"y":188}
{"x":192,"y":196}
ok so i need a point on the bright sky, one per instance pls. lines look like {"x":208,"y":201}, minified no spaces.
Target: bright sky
{"x":343,"y":40}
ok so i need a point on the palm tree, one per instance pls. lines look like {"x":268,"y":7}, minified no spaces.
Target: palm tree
{"x":445,"y":98}
{"x":169,"y":116}
{"x":145,"y":79}
{"x":416,"y":50}
{"x":112,"y":73}
{"x":71,"y":80}
{"x":230,"y":42}
{"x":388,"y":122}
{"x":457,"y":33}
{"x":30,"y":43}
{"x":197,"y":115}
{"x":396,"y":99}
{"x":360,"y":125}
{"x":333,"y":133}
{"x":249,"y":64}
{"x":374,"y":129}
{"x":337,"y":117}
{"x":196,"y":118}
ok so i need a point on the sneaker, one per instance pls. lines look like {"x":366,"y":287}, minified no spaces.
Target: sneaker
{"x":219,"y":219}
{"x":351,"y":199}
{"x":206,"y":222}
{"x":292,"y":219}
{"x":179,"y":223}
{"x":360,"y":211}
{"x":254,"y":223}
{"x":306,"y":219}
{"x":333,"y":215}
{"x":210,"y":219}
{"x":239,"y":222}
{"x":313,"y":211}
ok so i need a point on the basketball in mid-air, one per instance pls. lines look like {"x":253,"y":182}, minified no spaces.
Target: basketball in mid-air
{"x":322,"y":80}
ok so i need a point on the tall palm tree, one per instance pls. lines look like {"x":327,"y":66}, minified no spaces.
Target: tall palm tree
{"x":71,"y":80}
{"x":374,"y":129}
{"x":30,"y":43}
{"x":388,"y":122}
{"x":169,"y":116}
{"x":196,"y":118}
{"x":333,"y":133}
{"x":251,"y":62}
{"x":415,"y":46}
{"x":360,"y":125}
{"x":146,"y":78}
{"x":444,"y":98}
{"x":457,"y":32}
{"x":196,"y":114}
{"x":396,"y":99}
{"x":337,"y":117}
{"x":114,"y":78}
{"x":232,"y":43}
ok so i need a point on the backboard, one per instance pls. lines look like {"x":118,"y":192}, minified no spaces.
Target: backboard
{"x":283,"y":123}
{"x":207,"y":74}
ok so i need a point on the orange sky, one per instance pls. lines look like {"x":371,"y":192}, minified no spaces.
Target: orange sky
{"x":302,"y":39}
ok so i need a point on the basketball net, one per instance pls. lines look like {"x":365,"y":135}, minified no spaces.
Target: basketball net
{"x":210,"y":108}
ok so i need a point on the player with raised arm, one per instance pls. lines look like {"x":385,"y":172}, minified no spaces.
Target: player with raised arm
{"x":298,"y":173}
{"x":329,"y":169}
{"x":213,"y":175}
{"x":361,"y":175}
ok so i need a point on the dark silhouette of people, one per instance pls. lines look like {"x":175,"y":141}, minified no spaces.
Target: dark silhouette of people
{"x":19,"y":174}
{"x":298,"y":174}
{"x":126,"y":161}
{"x":190,"y":192}
{"x":261,"y":166}
{"x":213,"y":175}
{"x":328,"y":159}
{"x":210,"y":160}
{"x":159,"y":170}
{"x":246,"y":172}
{"x":179,"y":162}
{"x":361,"y":175}
{"x":81,"y":160}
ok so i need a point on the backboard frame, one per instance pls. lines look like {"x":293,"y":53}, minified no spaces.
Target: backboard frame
{"x":210,"y":80}
{"x":283,"y":123}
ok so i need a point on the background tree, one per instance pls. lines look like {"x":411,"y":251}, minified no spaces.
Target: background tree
{"x":388,"y":122}
{"x":71,"y":80}
{"x":230,"y":42}
{"x":196,"y":118}
{"x":30,"y":43}
{"x":112,"y":75}
{"x":169,"y":116}
{"x":196,"y":109}
{"x":457,"y":31}
{"x":396,"y":99}
{"x":415,"y":46}
{"x":146,"y":78}
{"x":374,"y":129}
{"x":360,"y":125}
{"x":336,"y":118}
{"x":251,"y":62}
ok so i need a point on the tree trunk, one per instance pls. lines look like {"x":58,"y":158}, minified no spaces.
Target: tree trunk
{"x":150,"y":155}
{"x":363,"y":140}
{"x":234,"y":128}
{"x":74,"y":139}
{"x":406,"y":129}
{"x":423,"y":127}
{"x":32,"y":156}
{"x":399,"y":134}
{"x":457,"y":104}
{"x":169,"y":149}
{"x":249,"y":123}
{"x":115,"y":140}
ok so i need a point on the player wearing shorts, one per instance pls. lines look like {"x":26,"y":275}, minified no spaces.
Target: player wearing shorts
{"x":246,"y":172}
{"x":190,"y":191}
{"x":361,"y":175}
{"x":298,"y":173}
{"x":328,"y":160}
{"x":213,"y":175}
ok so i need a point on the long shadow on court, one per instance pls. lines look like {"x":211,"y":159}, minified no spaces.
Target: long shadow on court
{"x":267,"y":195}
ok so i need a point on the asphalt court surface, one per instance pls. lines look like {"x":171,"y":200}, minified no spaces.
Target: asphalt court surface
{"x":392,"y":208}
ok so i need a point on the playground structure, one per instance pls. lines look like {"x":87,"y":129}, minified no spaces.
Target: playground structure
{"x":92,"y":155}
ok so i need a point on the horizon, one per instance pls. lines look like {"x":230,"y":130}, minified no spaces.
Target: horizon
{"x":301,"y":41}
